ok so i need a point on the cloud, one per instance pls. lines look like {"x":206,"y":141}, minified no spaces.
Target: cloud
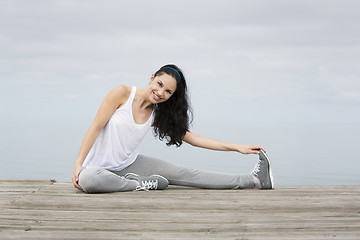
{"x":278,"y":51}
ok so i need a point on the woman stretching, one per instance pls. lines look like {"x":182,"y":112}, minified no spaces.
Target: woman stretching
{"x":108,"y":160}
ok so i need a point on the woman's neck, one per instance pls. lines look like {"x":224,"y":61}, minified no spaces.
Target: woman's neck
{"x":142,"y":96}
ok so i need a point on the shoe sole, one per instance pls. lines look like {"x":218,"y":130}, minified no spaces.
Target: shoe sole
{"x":269,"y":168}
{"x":131,"y":174}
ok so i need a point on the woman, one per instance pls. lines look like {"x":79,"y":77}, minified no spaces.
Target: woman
{"x":108,"y":161}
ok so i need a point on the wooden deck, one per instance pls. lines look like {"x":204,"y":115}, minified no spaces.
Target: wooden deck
{"x":51,"y":210}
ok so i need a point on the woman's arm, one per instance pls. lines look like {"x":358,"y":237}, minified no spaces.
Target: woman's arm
{"x":208,"y":143}
{"x":113,"y":100}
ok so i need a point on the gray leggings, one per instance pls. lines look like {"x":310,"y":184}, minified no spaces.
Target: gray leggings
{"x":97,"y":180}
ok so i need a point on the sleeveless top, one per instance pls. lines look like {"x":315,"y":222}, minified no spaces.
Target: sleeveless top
{"x":115,"y":147}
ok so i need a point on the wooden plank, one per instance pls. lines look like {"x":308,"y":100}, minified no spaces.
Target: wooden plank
{"x":49,"y":210}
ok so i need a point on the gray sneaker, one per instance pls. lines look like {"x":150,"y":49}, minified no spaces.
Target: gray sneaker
{"x":262,"y":171}
{"x":154,"y":182}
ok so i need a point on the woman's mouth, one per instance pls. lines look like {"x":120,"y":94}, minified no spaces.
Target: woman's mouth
{"x":156,"y":97}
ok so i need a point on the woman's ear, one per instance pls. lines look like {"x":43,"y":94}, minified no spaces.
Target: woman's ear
{"x":152,"y":78}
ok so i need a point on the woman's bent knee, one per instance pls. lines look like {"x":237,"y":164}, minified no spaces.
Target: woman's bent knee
{"x":89,"y":179}
{"x":100,"y":180}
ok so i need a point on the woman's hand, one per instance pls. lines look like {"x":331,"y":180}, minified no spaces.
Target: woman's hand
{"x":249,"y":149}
{"x":75,"y":177}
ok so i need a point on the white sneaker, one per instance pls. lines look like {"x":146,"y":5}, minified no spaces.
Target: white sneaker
{"x":153,"y":182}
{"x":262,"y":171}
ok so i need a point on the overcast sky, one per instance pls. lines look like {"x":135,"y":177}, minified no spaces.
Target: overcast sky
{"x":297,"y":56}
{"x":245,"y":61}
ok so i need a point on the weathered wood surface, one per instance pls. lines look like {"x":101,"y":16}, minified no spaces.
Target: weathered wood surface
{"x":48,"y":210}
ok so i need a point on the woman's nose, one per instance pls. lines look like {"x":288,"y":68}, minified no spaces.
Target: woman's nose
{"x":161,"y":92}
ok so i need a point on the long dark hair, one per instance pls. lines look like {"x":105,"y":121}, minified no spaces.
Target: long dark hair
{"x":172,"y":118}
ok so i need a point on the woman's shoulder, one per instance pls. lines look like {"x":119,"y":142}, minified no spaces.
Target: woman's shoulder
{"x":119,"y":94}
{"x":122,"y":88}
{"x":122,"y":91}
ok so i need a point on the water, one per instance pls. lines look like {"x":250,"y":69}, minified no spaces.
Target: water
{"x":301,"y":153}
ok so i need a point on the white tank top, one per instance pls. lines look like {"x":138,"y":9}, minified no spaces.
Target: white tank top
{"x":115,"y":147}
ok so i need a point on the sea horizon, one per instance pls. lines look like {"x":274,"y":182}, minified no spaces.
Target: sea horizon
{"x":300,"y":153}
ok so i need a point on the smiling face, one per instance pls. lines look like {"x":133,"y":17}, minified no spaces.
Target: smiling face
{"x":162,"y":88}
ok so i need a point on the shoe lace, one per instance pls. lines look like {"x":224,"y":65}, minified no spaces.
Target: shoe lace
{"x":147,"y":185}
{"x":257,"y":168}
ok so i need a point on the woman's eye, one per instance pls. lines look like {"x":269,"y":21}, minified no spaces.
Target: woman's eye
{"x":170,"y":92}
{"x":160,"y":84}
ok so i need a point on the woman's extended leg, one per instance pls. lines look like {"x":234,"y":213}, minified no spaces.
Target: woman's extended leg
{"x":178,"y":175}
